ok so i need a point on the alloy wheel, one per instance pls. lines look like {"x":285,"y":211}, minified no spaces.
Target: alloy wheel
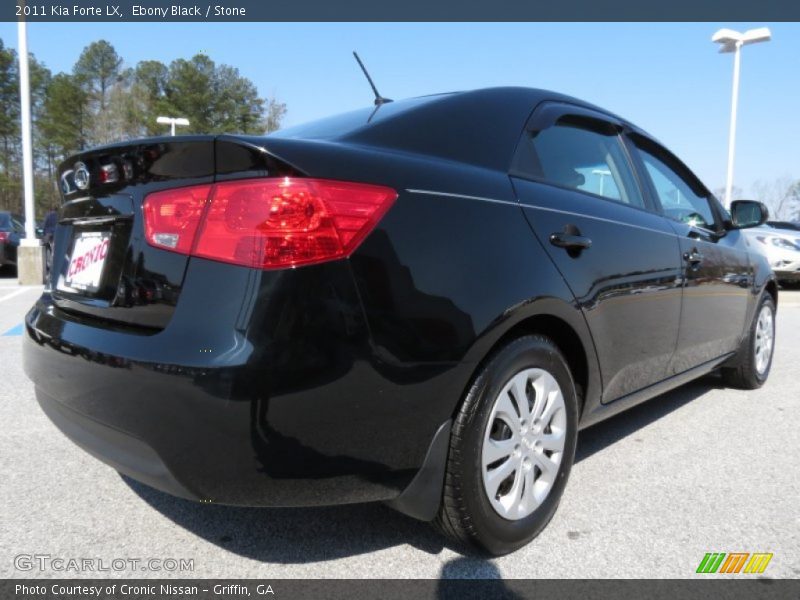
{"x":523,"y":444}
{"x":764,"y":338}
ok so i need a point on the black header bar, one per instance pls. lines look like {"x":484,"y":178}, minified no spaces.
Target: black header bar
{"x":397,"y":10}
{"x":740,"y":587}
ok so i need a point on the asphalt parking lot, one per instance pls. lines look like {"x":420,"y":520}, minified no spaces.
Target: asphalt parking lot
{"x":701,"y":469}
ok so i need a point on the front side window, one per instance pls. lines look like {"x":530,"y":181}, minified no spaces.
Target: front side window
{"x":679,"y":201}
{"x":594,"y":161}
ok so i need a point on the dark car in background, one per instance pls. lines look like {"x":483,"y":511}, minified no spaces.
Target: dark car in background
{"x":418,"y":303}
{"x":12,"y":230}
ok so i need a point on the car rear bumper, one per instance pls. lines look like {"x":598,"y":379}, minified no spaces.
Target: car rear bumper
{"x":127,"y":454}
{"x":271,"y":412}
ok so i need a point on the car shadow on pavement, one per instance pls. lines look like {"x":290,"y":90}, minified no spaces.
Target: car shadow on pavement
{"x":303,"y":535}
{"x":294,"y":535}
{"x":596,"y":438}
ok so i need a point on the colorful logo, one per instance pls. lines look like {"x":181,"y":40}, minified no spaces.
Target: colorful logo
{"x":734,"y":562}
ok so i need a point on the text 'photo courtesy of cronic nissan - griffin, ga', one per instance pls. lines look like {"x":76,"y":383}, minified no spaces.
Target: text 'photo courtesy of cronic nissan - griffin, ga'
{"x":419,"y":303}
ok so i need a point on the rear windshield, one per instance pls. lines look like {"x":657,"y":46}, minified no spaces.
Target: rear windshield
{"x":342,"y":124}
{"x":5,"y":221}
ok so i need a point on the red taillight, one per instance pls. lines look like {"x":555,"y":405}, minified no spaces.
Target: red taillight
{"x":266,"y":223}
{"x":171,"y":217}
{"x":3,"y":236}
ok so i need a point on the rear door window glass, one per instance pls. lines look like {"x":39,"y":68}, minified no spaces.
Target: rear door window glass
{"x":590,"y":160}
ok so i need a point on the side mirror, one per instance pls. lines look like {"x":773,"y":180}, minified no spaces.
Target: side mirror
{"x":748,"y":213}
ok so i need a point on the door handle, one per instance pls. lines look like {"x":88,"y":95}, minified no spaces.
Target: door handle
{"x":693,"y":258}
{"x":570,"y":241}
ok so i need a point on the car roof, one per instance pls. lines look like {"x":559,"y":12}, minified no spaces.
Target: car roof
{"x":479,"y":126}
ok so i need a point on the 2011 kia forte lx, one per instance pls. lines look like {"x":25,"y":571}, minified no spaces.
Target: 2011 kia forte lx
{"x":419,"y":303}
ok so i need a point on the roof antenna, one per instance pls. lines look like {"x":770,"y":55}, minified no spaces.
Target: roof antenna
{"x":378,"y":98}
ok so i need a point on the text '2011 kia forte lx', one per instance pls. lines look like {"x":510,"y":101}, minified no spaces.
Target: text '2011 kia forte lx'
{"x":419,"y":303}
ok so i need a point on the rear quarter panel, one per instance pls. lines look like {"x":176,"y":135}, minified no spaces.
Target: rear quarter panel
{"x":450,"y":269}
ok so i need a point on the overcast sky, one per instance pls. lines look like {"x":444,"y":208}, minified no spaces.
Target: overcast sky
{"x":667,"y":78}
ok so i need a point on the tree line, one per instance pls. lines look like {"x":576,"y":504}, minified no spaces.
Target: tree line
{"x":781,"y":196}
{"x":102,"y":100}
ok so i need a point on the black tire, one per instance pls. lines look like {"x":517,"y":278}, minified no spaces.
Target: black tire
{"x":466,"y":514}
{"x":746,"y":376}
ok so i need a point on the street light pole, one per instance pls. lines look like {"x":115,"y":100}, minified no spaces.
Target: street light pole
{"x":732,"y":41}
{"x":172,"y":122}
{"x":27,"y":146}
{"x":602,"y":173}
{"x":737,"y":57}
{"x":30,"y":266}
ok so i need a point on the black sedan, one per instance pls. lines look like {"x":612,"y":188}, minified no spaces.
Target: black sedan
{"x":12,"y":230}
{"x":419,"y":303}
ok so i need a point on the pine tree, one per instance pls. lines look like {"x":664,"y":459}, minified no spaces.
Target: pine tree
{"x":101,"y":102}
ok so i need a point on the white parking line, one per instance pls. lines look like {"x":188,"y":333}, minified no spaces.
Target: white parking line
{"x":17,"y":293}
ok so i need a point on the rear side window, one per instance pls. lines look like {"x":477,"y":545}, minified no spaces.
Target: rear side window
{"x":588,"y":159}
{"x":680,"y":201}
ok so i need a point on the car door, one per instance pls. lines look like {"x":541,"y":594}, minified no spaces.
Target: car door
{"x":717,"y":274}
{"x":581,"y":196}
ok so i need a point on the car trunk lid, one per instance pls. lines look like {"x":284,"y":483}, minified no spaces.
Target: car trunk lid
{"x":102,"y":267}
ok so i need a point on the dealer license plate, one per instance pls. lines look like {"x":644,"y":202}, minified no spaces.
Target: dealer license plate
{"x":89,"y":253}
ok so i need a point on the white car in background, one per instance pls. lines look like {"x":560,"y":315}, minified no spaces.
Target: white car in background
{"x":780,"y":243}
